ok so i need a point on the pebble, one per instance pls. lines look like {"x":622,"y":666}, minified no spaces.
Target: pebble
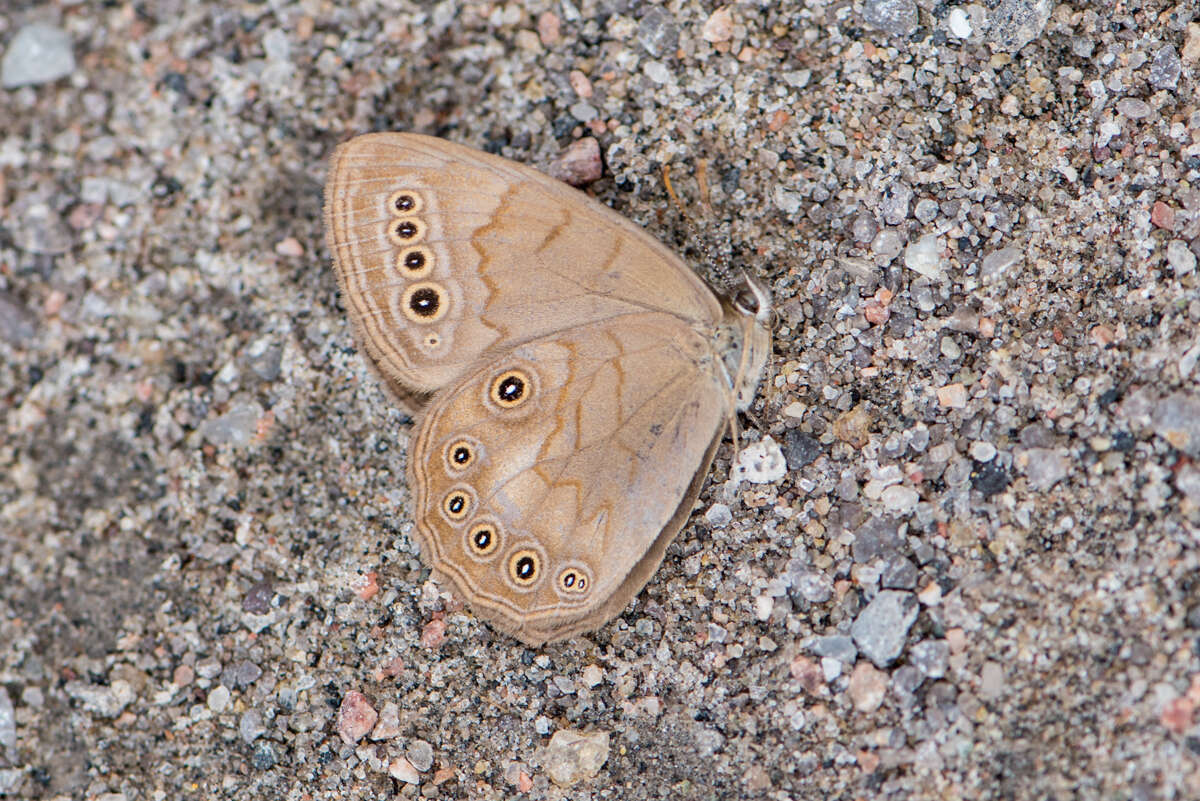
{"x":800,"y":449}
{"x":1016,"y":23}
{"x":433,"y":633}
{"x":17,"y":324}
{"x":718,"y":515}
{"x":893,"y":206}
{"x":107,"y":702}
{"x":39,"y":228}
{"x":718,"y":27}
{"x":868,"y":686}
{"x":1165,"y":68}
{"x":899,"y":499}
{"x":420,"y":754}
{"x":1181,"y":258}
{"x":899,"y":574}
{"x":982,"y":451}
{"x":835,"y":646}
{"x":930,"y":657}
{"x":402,"y":770}
{"x":657,"y":72}
{"x":1176,"y":419}
{"x":761,"y":462}
{"x":250,"y":726}
{"x":263,"y":756}
{"x":952,"y":396}
{"x":573,"y":756}
{"x":1132,"y":108}
{"x":997,"y":264}
{"x":897,"y":17}
{"x":355,"y":717}
{"x":388,"y":725}
{"x":218,"y":699}
{"x":1044,"y":467}
{"x":236,"y":428}
{"x":880,"y":629}
{"x":811,"y":586}
{"x":8,"y":723}
{"x":991,"y":681}
{"x":925,"y":256}
{"x":959,"y":23}
{"x":658,"y":33}
{"x":38,"y":54}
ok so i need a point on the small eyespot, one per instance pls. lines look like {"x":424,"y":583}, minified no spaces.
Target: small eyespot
{"x":460,"y":455}
{"x":431,"y":341}
{"x":573,"y":581}
{"x":457,"y":505}
{"x":404,"y":202}
{"x":483,"y":539}
{"x":510,"y":389}
{"x":524,"y":567}
{"x":424,"y":302}
{"x":406,"y":231}
{"x":415,"y":262}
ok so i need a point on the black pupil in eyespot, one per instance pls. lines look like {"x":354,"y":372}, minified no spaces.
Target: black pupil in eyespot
{"x":483,"y":538}
{"x":511,"y":389}
{"x":406,"y":230}
{"x":414,"y":261}
{"x":456,"y":504}
{"x":405,"y":203}
{"x":424,"y":302}
{"x":569,"y":580}
{"x":462,"y":455}
{"x":525,"y":567}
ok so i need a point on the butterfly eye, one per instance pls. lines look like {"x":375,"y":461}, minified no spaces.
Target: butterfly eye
{"x":415,"y":262}
{"x":510,"y":389}
{"x":460,"y":455}
{"x":483,"y":539}
{"x":424,"y":302}
{"x":456,"y":505}
{"x":405,"y":231}
{"x":404,"y":202}
{"x":525,"y":567}
{"x":746,"y":301}
{"x":573,"y":581}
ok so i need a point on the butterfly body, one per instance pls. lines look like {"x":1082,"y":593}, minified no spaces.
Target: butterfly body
{"x":571,"y":375}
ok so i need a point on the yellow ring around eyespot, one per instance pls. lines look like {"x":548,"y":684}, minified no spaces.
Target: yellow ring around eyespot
{"x":492,"y":544}
{"x":425,"y":291}
{"x":578,"y":586}
{"x":405,"y":231}
{"x":407,"y":258}
{"x":452,"y":455}
{"x":502,"y":383}
{"x":464,"y":501}
{"x":417,"y":203}
{"x":516,"y":562}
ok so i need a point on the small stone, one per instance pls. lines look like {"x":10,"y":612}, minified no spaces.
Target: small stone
{"x":899,"y":574}
{"x":388,"y":726}
{"x":1133,"y":109}
{"x":990,"y":478}
{"x":952,"y":396}
{"x":37,"y":228}
{"x":800,"y":449}
{"x":886,"y":245}
{"x":658,"y":33}
{"x":218,"y":699}
{"x":355,"y":717}
{"x":1016,"y":23}
{"x":1181,"y":258}
{"x":930,"y":657}
{"x":991,"y":681}
{"x":402,"y":770}
{"x":925,"y":256}
{"x":1187,"y":481}
{"x":257,"y":600}
{"x":899,"y":499}
{"x":718,"y":515}
{"x":1162,"y":216}
{"x":107,"y":702}
{"x":8,"y":723}
{"x":811,"y":586}
{"x":250,"y":726}
{"x":38,"y":54}
{"x":657,"y":72}
{"x":1191,"y":46}
{"x":1044,"y":467}
{"x":756,"y":779}
{"x":420,"y":754}
{"x":583,"y":111}
{"x":183,"y":675}
{"x":982,"y":451}
{"x":808,"y":673}
{"x":592,"y":676}
{"x":573,"y":756}
{"x":289,"y":246}
{"x":880,"y":629}
{"x":236,"y":428}
{"x":718,"y":27}
{"x":897,"y":17}
{"x":867,"y":687}
{"x":854,"y":426}
{"x":959,"y":23}
{"x":18,"y":325}
{"x":1165,"y":68}
{"x":1176,"y":419}
{"x":241,"y":674}
{"x":894,"y":204}
{"x":877,"y":537}
{"x":433,"y":633}
{"x":997,"y":263}
{"x":761,"y":462}
{"x":263,"y":757}
{"x":548,"y":28}
{"x":763,"y":606}
{"x":835,"y":646}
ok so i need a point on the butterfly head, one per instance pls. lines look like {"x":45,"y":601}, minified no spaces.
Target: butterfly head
{"x":745,"y":339}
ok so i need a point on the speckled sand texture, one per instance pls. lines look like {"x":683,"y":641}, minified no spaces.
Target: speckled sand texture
{"x":978,"y":576}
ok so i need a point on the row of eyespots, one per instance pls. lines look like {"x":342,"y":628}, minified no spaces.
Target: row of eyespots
{"x":423,"y":302}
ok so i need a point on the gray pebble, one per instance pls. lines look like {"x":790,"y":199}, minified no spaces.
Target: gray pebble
{"x":811,"y":586}
{"x":236,"y":427}
{"x":897,"y":17}
{"x":880,"y":629}
{"x":1181,"y":258}
{"x":930,"y":657}
{"x":17,"y":324}
{"x":420,"y":754}
{"x":1165,"y":68}
{"x":875,"y":538}
{"x":837,"y":646}
{"x":899,"y":574}
{"x":38,"y":54}
{"x":251,"y":726}
{"x":1176,"y":419}
{"x":800,"y":449}
{"x":658,"y":33}
{"x":894,"y":205}
{"x":1045,"y":468}
{"x":263,"y":757}
{"x":997,"y":263}
{"x":8,"y":722}
{"x":1016,"y":23}
{"x":1133,"y":109}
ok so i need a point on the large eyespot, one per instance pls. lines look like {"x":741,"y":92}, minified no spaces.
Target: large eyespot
{"x":524,"y":567}
{"x":573,"y":580}
{"x":404,"y":201}
{"x":457,"y":504}
{"x":510,"y":389}
{"x":406,"y":231}
{"x":483,"y":539}
{"x":461,"y":454}
{"x":415,"y":262}
{"x":424,"y":302}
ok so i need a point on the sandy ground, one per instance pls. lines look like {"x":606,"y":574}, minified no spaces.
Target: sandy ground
{"x":979,"y":576}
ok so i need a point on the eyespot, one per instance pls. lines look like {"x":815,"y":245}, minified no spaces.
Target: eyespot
{"x":524,"y":567}
{"x":431,"y":341}
{"x":424,"y":302}
{"x":483,"y":539}
{"x":461,"y":454}
{"x":415,"y":262}
{"x":404,"y":201}
{"x":406,"y":231}
{"x":510,"y":389}
{"x":573,"y":581}
{"x":457,"y":504}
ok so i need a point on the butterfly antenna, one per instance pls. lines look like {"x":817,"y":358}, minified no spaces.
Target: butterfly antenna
{"x":702,"y":181}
